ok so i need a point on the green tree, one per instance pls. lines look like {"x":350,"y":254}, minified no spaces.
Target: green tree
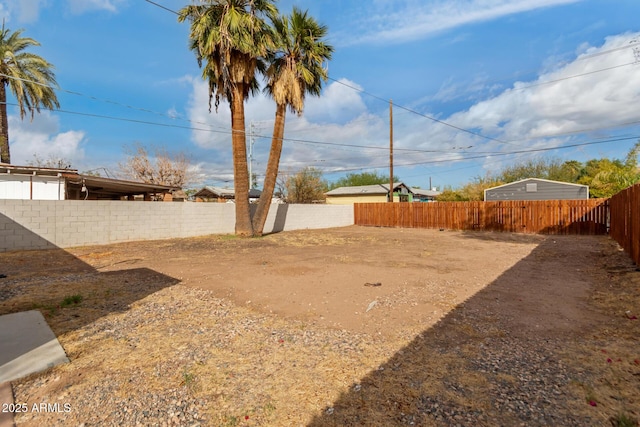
{"x":470,"y":192}
{"x":363,"y":178}
{"x":306,"y":186}
{"x":568,"y":171}
{"x":229,"y":38}
{"x":296,"y":68}
{"x":29,"y":77}
{"x":606,"y":177}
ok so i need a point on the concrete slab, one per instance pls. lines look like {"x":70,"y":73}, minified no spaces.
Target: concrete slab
{"x":6,"y":398}
{"x":27,"y":345}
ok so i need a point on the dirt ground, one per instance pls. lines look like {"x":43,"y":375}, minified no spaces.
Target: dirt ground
{"x":331,"y":277}
{"x":347,"y":301}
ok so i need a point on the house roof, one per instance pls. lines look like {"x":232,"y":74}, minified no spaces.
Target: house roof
{"x":423,"y":192}
{"x":537,"y":179}
{"x":225,"y":193}
{"x":109,"y":187}
{"x":97,"y":185}
{"x":364,"y":189}
{"x":33,"y":170}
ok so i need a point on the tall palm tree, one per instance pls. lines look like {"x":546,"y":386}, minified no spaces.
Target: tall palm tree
{"x":230,"y":37}
{"x":28,"y":76}
{"x":296,"y":68}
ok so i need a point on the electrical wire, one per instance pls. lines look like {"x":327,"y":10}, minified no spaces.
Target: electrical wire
{"x":355,"y":146}
{"x":161,"y":6}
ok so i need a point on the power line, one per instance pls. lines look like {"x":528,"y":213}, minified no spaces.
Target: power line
{"x":533,"y":150}
{"x":303,"y":141}
{"x":574,"y":76}
{"x":420,"y":114}
{"x":108,"y":101}
{"x":377,"y":97}
{"x":162,"y":7}
{"x":230,"y":132}
{"x":633,"y":44}
{"x":123,"y":119}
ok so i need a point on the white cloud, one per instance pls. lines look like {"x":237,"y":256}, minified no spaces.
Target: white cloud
{"x":340,"y":102}
{"x":212,"y":128}
{"x":82,"y":6}
{"x":396,"y":22}
{"x":543,"y":113}
{"x":584,"y":99}
{"x":28,"y":11}
{"x":600,"y":89}
{"x":42,"y":137}
{"x":339,"y":116}
{"x":24,"y":11}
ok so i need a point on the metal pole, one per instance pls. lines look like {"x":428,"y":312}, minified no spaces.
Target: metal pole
{"x":390,"y":151}
{"x":251,"y":157}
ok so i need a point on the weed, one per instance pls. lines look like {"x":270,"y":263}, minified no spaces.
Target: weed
{"x":51,"y":309}
{"x":188,"y":379}
{"x":228,"y":237}
{"x":268,"y":409}
{"x":71,"y":300}
{"x":623,"y":420}
{"x":231,"y":421}
{"x":589,"y":394}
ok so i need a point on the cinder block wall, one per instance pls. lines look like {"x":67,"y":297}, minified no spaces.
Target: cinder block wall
{"x":41,"y":224}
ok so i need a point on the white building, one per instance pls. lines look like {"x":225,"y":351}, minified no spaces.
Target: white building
{"x":35,"y":183}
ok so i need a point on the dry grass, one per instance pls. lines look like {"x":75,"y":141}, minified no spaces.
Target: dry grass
{"x":137,"y":332}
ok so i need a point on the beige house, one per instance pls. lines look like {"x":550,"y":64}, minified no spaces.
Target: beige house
{"x":377,"y":193}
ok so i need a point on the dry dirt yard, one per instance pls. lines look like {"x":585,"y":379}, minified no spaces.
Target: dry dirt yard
{"x":343,"y":327}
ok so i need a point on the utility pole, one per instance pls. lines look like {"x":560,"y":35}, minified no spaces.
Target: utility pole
{"x":251,"y":142}
{"x":390,"y":151}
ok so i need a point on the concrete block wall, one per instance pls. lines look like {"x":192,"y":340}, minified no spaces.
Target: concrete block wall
{"x":43,"y":224}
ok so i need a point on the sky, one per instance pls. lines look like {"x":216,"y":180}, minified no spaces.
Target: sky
{"x":476,"y":85}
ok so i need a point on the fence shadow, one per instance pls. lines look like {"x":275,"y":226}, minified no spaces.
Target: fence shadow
{"x":493,"y":357}
{"x":68,"y":291}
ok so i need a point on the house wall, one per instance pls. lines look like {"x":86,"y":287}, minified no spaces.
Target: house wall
{"x":41,"y":224}
{"x":546,"y":190}
{"x":350,"y":200}
{"x":26,"y":187}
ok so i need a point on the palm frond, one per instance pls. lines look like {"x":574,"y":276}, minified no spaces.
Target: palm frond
{"x":297,"y":66}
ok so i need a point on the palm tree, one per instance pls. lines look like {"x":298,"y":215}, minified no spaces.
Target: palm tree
{"x":230,"y":37}
{"x":28,"y":76}
{"x":295,"y":69}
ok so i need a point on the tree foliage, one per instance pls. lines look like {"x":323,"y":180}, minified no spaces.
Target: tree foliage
{"x":473,"y":191}
{"x":230,"y":39}
{"x":52,"y":162}
{"x":606,"y":177}
{"x":163,"y":168}
{"x":363,"y":178}
{"x":296,"y":67}
{"x":29,"y":77}
{"x":306,"y":186}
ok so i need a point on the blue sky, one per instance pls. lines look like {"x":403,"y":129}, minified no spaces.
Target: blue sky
{"x":476,"y":85}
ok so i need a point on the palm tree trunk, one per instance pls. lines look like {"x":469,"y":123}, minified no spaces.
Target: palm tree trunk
{"x":240,"y":170}
{"x":5,"y":156}
{"x":260,"y":217}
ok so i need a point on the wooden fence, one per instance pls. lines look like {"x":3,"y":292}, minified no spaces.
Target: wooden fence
{"x":540,"y":217}
{"x":625,"y":220}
